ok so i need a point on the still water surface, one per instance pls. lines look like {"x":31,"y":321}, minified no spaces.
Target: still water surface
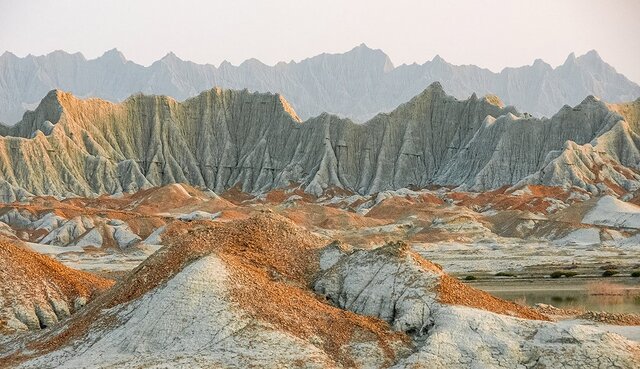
{"x":620,"y":298}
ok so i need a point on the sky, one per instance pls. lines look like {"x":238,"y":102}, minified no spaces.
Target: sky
{"x":488,"y":33}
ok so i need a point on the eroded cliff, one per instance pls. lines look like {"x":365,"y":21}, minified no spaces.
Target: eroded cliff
{"x":224,"y":138}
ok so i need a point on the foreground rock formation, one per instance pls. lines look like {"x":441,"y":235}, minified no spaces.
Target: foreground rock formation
{"x":265,"y":292}
{"x":221,"y":139}
{"x":37,"y":292}
{"x":357,"y":84}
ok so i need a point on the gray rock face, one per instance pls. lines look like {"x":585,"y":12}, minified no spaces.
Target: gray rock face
{"x":371,"y":287}
{"x":392,"y":284}
{"x":224,"y":138}
{"x":356,"y":84}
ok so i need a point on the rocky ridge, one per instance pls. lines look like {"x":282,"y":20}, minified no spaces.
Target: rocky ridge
{"x":222,"y":138}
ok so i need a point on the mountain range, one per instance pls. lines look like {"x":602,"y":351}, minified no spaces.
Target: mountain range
{"x":225,"y":138}
{"x":357,"y":84}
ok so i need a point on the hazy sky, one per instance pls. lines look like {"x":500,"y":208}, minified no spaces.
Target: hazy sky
{"x":491,"y":34}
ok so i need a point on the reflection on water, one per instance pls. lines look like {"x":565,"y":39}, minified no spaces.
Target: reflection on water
{"x":574,"y":299}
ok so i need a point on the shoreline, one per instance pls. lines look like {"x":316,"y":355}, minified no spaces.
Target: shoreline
{"x":516,"y":284}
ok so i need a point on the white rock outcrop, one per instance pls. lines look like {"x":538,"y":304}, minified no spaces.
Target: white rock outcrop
{"x":392,"y":284}
{"x":611,"y":212}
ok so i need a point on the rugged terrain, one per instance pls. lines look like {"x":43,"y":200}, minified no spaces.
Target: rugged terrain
{"x":222,"y":139}
{"x":532,"y":230}
{"x":342,"y":279}
{"x":240,"y":235}
{"x":264,"y":291}
{"x":357,"y":84}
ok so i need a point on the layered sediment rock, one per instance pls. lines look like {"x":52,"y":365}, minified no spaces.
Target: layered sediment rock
{"x":221,"y":139}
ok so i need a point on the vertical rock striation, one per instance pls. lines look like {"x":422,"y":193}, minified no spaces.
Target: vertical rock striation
{"x":224,"y":138}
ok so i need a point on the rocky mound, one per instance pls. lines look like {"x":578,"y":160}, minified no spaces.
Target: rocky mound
{"x":78,"y":222}
{"x":264,"y":292}
{"x":37,"y":291}
{"x":177,"y":198}
{"x":416,"y":297}
{"x":611,"y":212}
{"x":222,"y":294}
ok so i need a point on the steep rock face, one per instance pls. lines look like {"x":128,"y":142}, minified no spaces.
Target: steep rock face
{"x":224,"y":138}
{"x":356,"y":84}
{"x":369,"y":287}
{"x":410,"y":293}
{"x":509,"y":148}
{"x":100,"y":147}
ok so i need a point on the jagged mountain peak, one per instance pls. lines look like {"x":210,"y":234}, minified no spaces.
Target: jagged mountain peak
{"x":591,"y":56}
{"x":58,"y":52}
{"x":493,"y":100}
{"x":571,"y":59}
{"x":53,"y":102}
{"x":8,"y":54}
{"x":114,"y":54}
{"x":590,"y":100}
{"x":364,"y":49}
{"x":541,"y":64}
{"x":171,"y":57}
{"x":433,"y":94}
{"x":62,"y":55}
{"x":226,"y":63}
{"x":436,"y":92}
{"x":252,"y":63}
{"x":363,"y":53}
{"x":358,"y":83}
{"x":54,"y":96}
{"x":438,"y":59}
{"x":435,"y":87}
